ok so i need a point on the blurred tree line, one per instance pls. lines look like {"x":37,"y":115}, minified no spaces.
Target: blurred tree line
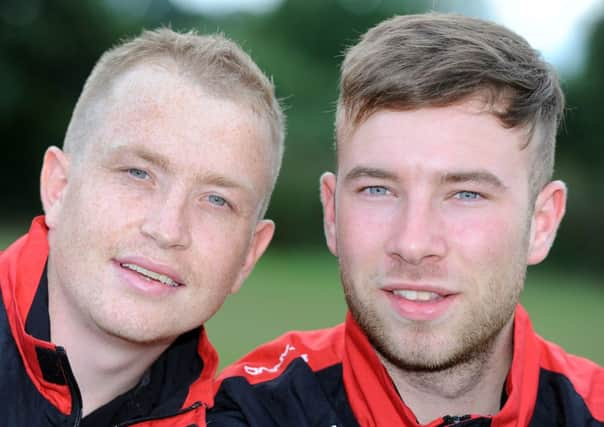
{"x":48,"y":47}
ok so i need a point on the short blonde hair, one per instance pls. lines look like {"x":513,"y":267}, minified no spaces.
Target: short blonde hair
{"x":214,"y":62}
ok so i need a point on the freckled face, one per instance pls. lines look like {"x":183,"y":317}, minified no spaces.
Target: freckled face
{"x":158,"y":221}
{"x":429,"y":216}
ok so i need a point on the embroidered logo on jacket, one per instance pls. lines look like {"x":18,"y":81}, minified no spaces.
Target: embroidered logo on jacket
{"x":257,"y":370}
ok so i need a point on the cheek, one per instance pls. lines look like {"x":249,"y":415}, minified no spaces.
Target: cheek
{"x":92,"y":211}
{"x":116,"y":203}
{"x":485,"y":238}
{"x":218,"y":247}
{"x":362,"y":235}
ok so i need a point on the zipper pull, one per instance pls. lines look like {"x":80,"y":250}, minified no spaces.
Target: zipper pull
{"x":449,"y":420}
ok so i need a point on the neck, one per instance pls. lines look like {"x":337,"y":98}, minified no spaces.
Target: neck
{"x":472,"y":387}
{"x":105,"y":366}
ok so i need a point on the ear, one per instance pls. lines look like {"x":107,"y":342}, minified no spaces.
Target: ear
{"x":328,"y":200}
{"x":550,"y":206}
{"x":53,"y":181}
{"x":262,"y":237}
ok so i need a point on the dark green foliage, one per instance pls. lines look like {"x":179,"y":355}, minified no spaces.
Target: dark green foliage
{"x":48,"y":47}
{"x":580,"y":159}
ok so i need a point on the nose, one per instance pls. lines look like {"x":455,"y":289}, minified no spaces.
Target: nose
{"x":417,"y":233}
{"x":166,"y":221}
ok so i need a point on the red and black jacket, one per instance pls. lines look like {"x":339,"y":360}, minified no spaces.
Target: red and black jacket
{"x":333,"y":378}
{"x":37,"y":387}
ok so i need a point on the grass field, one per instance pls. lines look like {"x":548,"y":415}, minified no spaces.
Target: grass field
{"x":299,"y":289}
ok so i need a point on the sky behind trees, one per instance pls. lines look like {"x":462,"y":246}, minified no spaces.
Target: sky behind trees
{"x":558,"y":28}
{"x":48,"y":47}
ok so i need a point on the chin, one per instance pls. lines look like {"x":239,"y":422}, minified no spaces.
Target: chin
{"x":145,"y":337}
{"x":437,"y":352}
{"x":139,"y":331}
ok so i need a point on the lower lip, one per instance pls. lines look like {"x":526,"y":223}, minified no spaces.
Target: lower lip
{"x":141,"y":284}
{"x":420,"y":310}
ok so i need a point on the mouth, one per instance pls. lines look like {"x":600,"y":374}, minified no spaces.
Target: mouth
{"x":417,"y":296}
{"x":420,"y":302}
{"x":151,"y":275}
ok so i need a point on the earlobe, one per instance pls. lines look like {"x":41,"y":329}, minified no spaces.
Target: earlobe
{"x":550,"y":207}
{"x":328,"y":193}
{"x":53,"y":181}
{"x":263,"y":235}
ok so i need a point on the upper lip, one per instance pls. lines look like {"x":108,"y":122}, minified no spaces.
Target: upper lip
{"x":155,"y":266}
{"x":443,"y":292}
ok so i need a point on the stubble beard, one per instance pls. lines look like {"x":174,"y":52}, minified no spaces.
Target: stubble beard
{"x":419,"y":348}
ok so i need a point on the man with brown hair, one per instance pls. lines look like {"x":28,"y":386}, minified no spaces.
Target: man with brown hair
{"x":443,"y":195}
{"x":153,"y":215}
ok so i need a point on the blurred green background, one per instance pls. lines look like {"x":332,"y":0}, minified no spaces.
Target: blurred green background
{"x":48,"y":47}
{"x":294,"y":289}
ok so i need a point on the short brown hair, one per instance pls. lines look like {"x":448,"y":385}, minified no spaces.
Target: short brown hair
{"x":216,"y":63}
{"x":435,"y":60}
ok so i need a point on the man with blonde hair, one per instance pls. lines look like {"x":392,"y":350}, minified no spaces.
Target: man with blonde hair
{"x":153,"y":214}
{"x":443,"y":194}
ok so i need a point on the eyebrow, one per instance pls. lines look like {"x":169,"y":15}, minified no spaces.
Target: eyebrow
{"x":363,"y":171}
{"x":164,"y":164}
{"x":480,"y":177}
{"x":456,"y":177}
{"x":153,"y":158}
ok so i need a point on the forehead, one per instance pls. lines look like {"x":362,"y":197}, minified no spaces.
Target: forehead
{"x":159,"y":91}
{"x":154,"y":107}
{"x":440,"y":138}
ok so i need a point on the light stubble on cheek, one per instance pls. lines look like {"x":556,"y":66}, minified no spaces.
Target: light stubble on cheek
{"x":491,"y":285}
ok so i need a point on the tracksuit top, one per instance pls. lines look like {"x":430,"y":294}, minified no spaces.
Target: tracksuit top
{"x":334,"y":378}
{"x":37,"y":387}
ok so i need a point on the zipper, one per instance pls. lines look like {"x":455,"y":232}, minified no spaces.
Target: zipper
{"x":449,"y":420}
{"x":76,"y":396}
{"x":193,"y":406}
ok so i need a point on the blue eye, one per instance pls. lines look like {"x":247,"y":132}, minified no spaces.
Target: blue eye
{"x":467,"y":195}
{"x":376,"y":190}
{"x":138,"y":173}
{"x":217,"y":200}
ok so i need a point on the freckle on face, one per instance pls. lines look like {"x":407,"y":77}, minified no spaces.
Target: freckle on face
{"x":103,"y":218}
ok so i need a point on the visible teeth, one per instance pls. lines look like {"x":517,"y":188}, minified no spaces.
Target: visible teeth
{"x":151,"y":274}
{"x":416,"y":295}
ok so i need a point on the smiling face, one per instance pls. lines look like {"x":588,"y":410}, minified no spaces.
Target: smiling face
{"x":156,"y":220}
{"x":431,"y":218}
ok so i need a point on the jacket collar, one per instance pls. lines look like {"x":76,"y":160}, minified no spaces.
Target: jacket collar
{"x":376,"y":402}
{"x":22,"y":267}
